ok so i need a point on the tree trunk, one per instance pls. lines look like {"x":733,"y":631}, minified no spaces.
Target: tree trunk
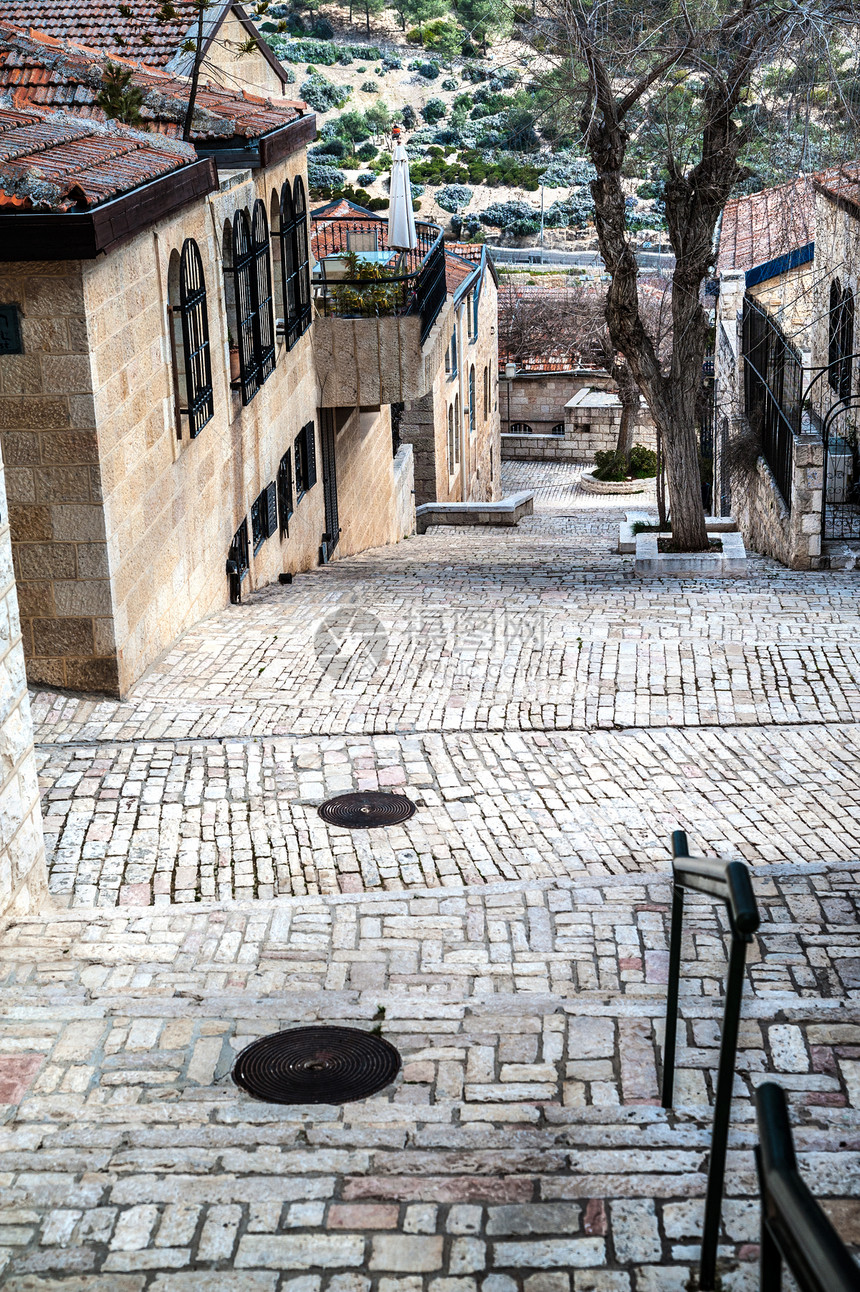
{"x":628,"y":393}
{"x":367,"y":19}
{"x":681,"y":447}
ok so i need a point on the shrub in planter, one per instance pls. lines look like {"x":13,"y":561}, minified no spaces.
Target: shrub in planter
{"x":611,"y":465}
{"x":454,"y":197}
{"x":434,"y":110}
{"x":643,"y":462}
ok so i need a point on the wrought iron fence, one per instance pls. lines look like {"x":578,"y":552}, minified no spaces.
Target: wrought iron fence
{"x":385,"y":285}
{"x":773,"y":390}
{"x":841,"y":508}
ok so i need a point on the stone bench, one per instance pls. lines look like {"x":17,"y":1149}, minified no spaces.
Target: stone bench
{"x":509,"y":511}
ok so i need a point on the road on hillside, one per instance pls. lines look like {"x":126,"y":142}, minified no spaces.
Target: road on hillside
{"x":575,"y":259}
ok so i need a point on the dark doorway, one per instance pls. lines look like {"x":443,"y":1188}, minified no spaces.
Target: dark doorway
{"x":329,"y":476}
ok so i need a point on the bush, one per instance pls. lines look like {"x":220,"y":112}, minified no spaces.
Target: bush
{"x":473,"y":72}
{"x":643,"y":462}
{"x":391,"y":63}
{"x":366,"y":178}
{"x":428,"y":68}
{"x":325,"y":178}
{"x":321,"y":95}
{"x":325,"y":52}
{"x":370,"y":87}
{"x":434,"y":110}
{"x":329,"y":148}
{"x":467,"y":227}
{"x":366,"y":152}
{"x":449,"y":83}
{"x":649,"y":189}
{"x":454,"y":197}
{"x":353,"y":126}
{"x":408,"y":117}
{"x":610,"y":465}
{"x":447,"y":135}
{"x":516,"y":218}
{"x":566,"y":174}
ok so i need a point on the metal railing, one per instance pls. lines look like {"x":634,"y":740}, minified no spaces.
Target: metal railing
{"x":729,"y":882}
{"x":773,"y":387}
{"x":414,"y":283}
{"x":794,"y":1229}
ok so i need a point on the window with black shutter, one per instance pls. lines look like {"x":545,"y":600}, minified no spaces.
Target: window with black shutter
{"x":271,"y":509}
{"x":310,"y":455}
{"x":252,"y":301}
{"x":192,"y":363}
{"x":299,"y":460}
{"x":472,"y":408}
{"x":303,"y":268}
{"x":846,"y":342}
{"x":238,"y":561}
{"x":258,"y":511}
{"x":285,"y":492}
{"x":289,"y":267}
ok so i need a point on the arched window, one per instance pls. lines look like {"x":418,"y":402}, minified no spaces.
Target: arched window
{"x":189,"y":335}
{"x":846,"y":342}
{"x":289,"y":268}
{"x":303,"y":269}
{"x":521,"y":428}
{"x":558,"y":429}
{"x":472,"y":408}
{"x":451,"y":441}
{"x":833,"y":329}
{"x":252,"y":301}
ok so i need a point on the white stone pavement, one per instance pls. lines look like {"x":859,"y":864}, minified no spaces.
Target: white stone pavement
{"x":554,"y":718}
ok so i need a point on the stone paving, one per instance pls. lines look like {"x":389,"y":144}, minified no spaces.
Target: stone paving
{"x":554,"y":718}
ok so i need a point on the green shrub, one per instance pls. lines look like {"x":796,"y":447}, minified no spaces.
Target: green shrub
{"x":434,"y":110}
{"x":609,"y":464}
{"x":366,"y":152}
{"x":321,"y":95}
{"x":643,"y":462}
{"x":370,"y":87}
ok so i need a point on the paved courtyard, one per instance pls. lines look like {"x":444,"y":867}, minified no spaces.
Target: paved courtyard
{"x":553,"y":718}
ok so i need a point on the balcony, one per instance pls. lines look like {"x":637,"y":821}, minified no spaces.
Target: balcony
{"x":376,"y":308}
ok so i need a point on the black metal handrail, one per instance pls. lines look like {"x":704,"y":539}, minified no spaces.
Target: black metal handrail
{"x":415,"y":284}
{"x":729,"y":881}
{"x":794,"y":1228}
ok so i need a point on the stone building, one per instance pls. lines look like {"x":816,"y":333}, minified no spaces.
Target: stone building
{"x":768,"y":457}
{"x":143,"y":33}
{"x":22,"y":853}
{"x":454,"y":428}
{"x":176,"y":421}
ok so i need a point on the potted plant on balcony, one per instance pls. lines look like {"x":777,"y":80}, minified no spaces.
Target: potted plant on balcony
{"x":367,"y":289}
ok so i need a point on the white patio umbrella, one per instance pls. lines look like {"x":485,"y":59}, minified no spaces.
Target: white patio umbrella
{"x":401,"y":217}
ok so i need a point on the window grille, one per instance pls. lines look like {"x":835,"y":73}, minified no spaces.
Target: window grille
{"x":264,"y":515}
{"x":252,"y":277}
{"x":448,"y":358}
{"x":472,"y":401}
{"x":289,"y":268}
{"x":833,"y":321}
{"x":285,"y":492}
{"x":521,"y":428}
{"x":193,"y":361}
{"x":454,"y":352}
{"x":238,"y":562}
{"x":451,"y":462}
{"x":300,"y":207}
{"x":558,"y":429}
{"x":846,"y":342}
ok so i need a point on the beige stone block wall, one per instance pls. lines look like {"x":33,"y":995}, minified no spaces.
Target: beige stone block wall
{"x":49,"y":442}
{"x":365,"y":481}
{"x":792,"y":534}
{"x":23,"y":879}
{"x":225,"y":66}
{"x":539,"y":399}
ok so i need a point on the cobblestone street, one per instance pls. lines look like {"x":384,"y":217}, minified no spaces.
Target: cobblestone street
{"x":554,"y":718}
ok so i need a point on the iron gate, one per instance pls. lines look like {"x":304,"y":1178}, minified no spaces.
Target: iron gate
{"x":840,"y":512}
{"x":329,"y":478}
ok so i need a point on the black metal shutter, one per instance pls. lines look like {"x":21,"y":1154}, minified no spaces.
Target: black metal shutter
{"x":310,"y":456}
{"x":271,"y":509}
{"x":245,"y":306}
{"x":264,"y":331}
{"x":285,"y":492}
{"x":200,"y":404}
{"x":303,"y":268}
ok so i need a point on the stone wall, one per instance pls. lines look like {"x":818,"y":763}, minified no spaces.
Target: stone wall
{"x":22,"y":852}
{"x":590,"y":428}
{"x":539,"y":398}
{"x":790,"y":535}
{"x":404,"y":493}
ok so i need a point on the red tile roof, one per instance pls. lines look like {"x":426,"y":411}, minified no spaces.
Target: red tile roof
{"x":457,"y":270}
{"x":38,"y":69}
{"x":766,"y":225}
{"x":52,"y":161}
{"x":841,"y":183}
{"x":100,"y":23}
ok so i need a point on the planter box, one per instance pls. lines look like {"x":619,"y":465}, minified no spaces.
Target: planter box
{"x":627,"y":539}
{"x":590,"y":485}
{"x":731,"y":559}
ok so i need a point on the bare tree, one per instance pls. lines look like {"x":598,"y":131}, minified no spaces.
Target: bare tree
{"x":686,"y":70}
{"x":568,"y":325}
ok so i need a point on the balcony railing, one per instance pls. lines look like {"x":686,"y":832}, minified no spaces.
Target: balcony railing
{"x":357,"y":275}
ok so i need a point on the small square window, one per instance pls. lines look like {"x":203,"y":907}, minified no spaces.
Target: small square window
{"x":10,"y":330}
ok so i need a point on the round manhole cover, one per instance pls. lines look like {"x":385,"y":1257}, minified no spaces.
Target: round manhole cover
{"x":365,"y":810}
{"x":316,"y":1065}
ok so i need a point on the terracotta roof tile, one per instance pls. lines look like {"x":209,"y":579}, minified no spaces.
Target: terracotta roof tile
{"x":38,"y":69}
{"x":53,"y":161}
{"x":763,"y":226}
{"x":841,"y":183}
{"x":100,"y":24}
